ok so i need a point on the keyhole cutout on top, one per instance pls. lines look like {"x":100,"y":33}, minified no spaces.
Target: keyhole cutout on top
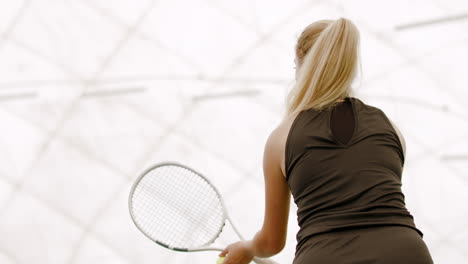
{"x":342,"y":122}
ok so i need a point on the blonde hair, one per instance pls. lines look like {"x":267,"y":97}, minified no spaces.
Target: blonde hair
{"x":327,"y":52}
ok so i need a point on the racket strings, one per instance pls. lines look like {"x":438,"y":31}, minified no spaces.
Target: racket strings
{"x":169,"y":203}
{"x":177,"y":207}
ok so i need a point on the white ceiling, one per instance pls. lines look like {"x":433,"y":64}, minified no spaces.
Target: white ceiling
{"x":91,"y":94}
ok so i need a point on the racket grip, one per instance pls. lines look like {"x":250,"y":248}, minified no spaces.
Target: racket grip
{"x":263,"y":261}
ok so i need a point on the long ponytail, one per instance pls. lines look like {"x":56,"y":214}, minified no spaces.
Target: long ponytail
{"x":328,"y":67}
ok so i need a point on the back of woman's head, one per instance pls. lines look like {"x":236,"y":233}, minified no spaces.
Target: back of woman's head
{"x":327,"y":57}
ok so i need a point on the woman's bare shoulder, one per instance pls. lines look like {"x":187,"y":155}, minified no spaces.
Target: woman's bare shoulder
{"x":281,"y":131}
{"x":278,"y":138}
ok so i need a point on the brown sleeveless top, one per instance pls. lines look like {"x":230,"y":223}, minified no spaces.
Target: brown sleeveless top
{"x":343,"y":167}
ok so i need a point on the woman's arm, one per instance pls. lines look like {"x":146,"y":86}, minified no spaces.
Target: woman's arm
{"x":271,"y":239}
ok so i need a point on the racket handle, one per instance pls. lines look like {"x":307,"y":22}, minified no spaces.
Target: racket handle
{"x":263,"y":261}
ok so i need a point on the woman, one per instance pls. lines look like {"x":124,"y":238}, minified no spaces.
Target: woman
{"x":341,"y":160}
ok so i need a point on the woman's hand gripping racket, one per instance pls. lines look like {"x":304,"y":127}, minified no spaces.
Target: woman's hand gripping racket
{"x":180,"y":209}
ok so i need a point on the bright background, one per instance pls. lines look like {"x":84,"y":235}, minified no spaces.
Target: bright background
{"x":92,"y":92}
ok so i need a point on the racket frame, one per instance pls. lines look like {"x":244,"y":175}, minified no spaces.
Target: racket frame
{"x":225,"y":213}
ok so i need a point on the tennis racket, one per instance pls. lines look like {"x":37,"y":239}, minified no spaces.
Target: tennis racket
{"x":179,"y":209}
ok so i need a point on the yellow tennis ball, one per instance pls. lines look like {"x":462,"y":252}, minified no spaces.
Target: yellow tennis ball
{"x":220,"y":260}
